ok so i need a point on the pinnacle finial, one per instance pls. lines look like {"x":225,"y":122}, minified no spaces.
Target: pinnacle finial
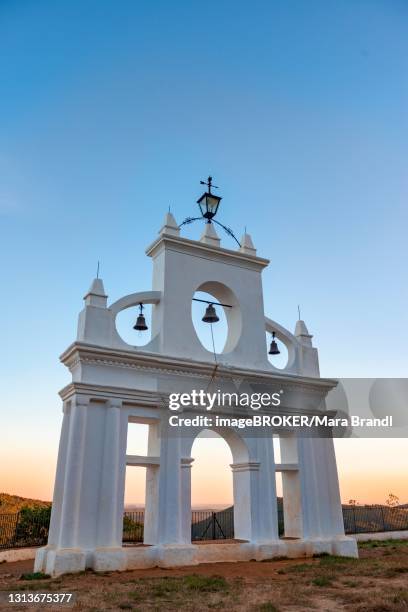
{"x":247,"y":246}
{"x":169,"y":225}
{"x":302,"y":333}
{"x":96,"y":295}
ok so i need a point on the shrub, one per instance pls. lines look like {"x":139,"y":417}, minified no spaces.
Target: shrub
{"x":33,"y":525}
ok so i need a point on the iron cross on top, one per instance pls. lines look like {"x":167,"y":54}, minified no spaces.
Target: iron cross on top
{"x":209,"y":184}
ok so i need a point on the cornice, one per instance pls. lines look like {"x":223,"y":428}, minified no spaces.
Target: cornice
{"x":200,"y":249}
{"x":146,"y":399}
{"x":80,"y":352}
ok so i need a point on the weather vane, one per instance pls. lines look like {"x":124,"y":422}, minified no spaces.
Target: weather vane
{"x":209,"y":203}
{"x":209,"y":184}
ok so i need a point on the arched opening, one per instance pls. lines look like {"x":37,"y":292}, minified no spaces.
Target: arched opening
{"x":211,"y":488}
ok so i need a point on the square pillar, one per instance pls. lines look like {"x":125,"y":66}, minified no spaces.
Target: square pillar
{"x":291,"y":488}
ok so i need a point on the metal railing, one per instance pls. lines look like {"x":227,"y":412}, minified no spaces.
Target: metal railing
{"x":133,"y":526}
{"x":19,"y":530}
{"x":369,"y":519}
{"x":208,"y":525}
{"x":23,"y":529}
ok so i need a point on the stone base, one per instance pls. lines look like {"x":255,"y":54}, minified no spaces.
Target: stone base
{"x":63,"y":561}
{"x":60,"y":561}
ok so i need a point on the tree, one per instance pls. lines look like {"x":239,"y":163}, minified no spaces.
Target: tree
{"x":33,"y":524}
{"x":392,"y":500}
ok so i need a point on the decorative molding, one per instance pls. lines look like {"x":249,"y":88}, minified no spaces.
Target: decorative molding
{"x":248,"y":466}
{"x":78,"y":353}
{"x":286,"y":467}
{"x":102,"y":393}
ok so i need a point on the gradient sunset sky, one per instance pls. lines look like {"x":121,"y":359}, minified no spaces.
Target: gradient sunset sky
{"x":111,"y":112}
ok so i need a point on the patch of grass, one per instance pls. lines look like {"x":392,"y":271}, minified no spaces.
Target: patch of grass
{"x":32,"y":586}
{"x":135,"y":595}
{"x":401,"y":598}
{"x":192,"y":582}
{"x":336,"y":560}
{"x":205,"y":583}
{"x":35,"y":576}
{"x":268,"y":606}
{"x":322,"y":581}
{"x":176,"y":588}
{"x":382,"y":543}
{"x":351,"y":583}
{"x":319,"y":555}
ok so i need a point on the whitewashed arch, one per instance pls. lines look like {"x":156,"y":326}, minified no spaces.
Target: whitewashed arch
{"x":128,"y":301}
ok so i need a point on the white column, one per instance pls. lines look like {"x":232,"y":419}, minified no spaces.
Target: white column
{"x":110,"y":507}
{"x":244,"y":519}
{"x":291,"y":489}
{"x":292,"y":505}
{"x":267,"y":526}
{"x":68,"y":535}
{"x":151,"y":516}
{"x":55,"y":523}
{"x":255,"y":505}
{"x":321,"y":504}
{"x":185,"y":527}
{"x":170,"y":494}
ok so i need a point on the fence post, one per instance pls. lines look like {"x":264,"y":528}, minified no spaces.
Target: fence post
{"x":354,"y":517}
{"x":15,"y":528}
{"x":213,"y":525}
{"x":382,"y":516}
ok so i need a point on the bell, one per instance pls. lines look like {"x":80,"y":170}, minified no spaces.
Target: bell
{"x":274,"y":347}
{"x":210,"y":315}
{"x":140,"y":324}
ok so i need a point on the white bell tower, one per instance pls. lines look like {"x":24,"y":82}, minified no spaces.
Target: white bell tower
{"x":180,"y":268}
{"x":114,"y":384}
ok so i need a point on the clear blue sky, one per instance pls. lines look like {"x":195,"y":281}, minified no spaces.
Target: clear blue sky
{"x":109,"y":112}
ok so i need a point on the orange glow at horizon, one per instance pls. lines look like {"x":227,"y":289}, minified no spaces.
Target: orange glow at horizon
{"x":368,"y":471}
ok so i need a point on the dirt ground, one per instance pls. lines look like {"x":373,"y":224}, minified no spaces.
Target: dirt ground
{"x":376,"y":582}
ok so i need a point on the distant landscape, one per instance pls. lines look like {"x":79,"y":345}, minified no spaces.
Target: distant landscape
{"x":9,"y":504}
{"x":202,"y":507}
{"x":25,"y":522}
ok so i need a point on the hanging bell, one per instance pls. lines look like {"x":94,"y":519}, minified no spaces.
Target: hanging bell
{"x":274,"y":347}
{"x":210,"y":315}
{"x":140,"y":324}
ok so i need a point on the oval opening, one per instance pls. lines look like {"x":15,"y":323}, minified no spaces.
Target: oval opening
{"x":210,"y":334}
